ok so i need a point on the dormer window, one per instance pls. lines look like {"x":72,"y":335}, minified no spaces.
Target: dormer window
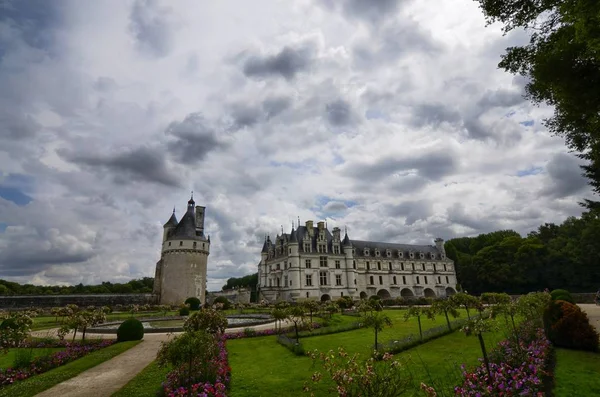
{"x":400,"y":254}
{"x":443,"y":256}
{"x":366,"y":252}
{"x":432,"y":255}
{"x":376,"y":252}
{"x":388,"y":253}
{"x":422,"y":255}
{"x":412,"y":255}
{"x":307,"y":247}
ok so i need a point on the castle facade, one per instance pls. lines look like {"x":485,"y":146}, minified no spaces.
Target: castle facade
{"x":181,"y":270}
{"x":313,"y":263}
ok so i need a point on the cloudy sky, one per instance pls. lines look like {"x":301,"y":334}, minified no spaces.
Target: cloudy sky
{"x":389,"y":117}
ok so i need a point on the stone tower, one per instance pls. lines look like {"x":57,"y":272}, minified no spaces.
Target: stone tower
{"x":181,"y":270}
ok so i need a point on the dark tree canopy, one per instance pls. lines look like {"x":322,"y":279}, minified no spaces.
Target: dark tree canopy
{"x":141,"y":286}
{"x":554,"y":256}
{"x":250,"y":281}
{"x":562,"y":63}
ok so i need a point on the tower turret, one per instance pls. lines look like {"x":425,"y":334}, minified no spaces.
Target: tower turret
{"x":169,"y":226}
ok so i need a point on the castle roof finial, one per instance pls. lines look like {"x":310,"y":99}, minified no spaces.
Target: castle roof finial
{"x":191,"y":202}
{"x":173,"y":209}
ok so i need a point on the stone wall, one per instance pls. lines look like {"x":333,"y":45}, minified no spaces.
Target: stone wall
{"x":241,"y":295}
{"x":43,"y":301}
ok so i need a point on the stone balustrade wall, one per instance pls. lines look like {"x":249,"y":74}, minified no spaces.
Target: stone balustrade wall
{"x":46,"y":301}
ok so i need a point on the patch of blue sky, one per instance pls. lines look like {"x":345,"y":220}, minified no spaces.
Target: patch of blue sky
{"x":13,"y":187}
{"x":527,"y":123}
{"x":530,"y":171}
{"x":3,"y":227}
{"x":510,"y":114}
{"x":372,"y":114}
{"x":302,"y":165}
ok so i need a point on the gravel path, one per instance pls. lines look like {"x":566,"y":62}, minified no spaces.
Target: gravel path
{"x":105,"y":379}
{"x":593,"y":312}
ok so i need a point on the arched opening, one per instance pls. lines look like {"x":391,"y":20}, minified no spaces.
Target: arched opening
{"x":363,"y":295}
{"x":384,"y":294}
{"x":325,"y":298}
{"x":406,"y":293}
{"x":450,"y":291}
{"x":429,"y":293}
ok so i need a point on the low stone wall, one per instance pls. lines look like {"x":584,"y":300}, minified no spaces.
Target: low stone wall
{"x":45,"y":301}
{"x":241,"y":295}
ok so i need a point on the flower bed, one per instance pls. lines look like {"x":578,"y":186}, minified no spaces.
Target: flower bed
{"x":172,"y":386}
{"x":517,"y":368}
{"x":249,"y":333}
{"x":72,"y":351}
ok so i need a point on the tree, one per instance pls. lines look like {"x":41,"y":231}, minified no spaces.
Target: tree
{"x":297,"y":316}
{"x":485,"y":323}
{"x":447,"y":307}
{"x":206,"y":320}
{"x":465,"y":300}
{"x":417,"y":312}
{"x":562,"y":63}
{"x":312,"y":306}
{"x":373,"y":318}
{"x":279,"y":315}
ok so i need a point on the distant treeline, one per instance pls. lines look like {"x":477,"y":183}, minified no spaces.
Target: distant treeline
{"x":141,"y":286}
{"x":554,"y":256}
{"x":247,"y":281}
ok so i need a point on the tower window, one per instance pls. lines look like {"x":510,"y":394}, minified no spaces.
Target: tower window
{"x":394,"y":279}
{"x":368,"y":266}
{"x":425,"y":279}
{"x":445,"y":267}
{"x":354,"y":264}
{"x":378,"y":265}
{"x":308,"y":280}
{"x":417,"y":279}
{"x":323,"y":278}
{"x":447,"y":280}
{"x":380,"y":280}
{"x":337,"y":264}
{"x":371,"y":280}
{"x":401,"y":265}
{"x":323,"y":261}
{"x":307,"y":263}
{"x":169,"y":243}
{"x":403,"y":279}
{"x":195,"y":244}
{"x":338,"y":279}
{"x":390,"y":265}
{"x":180,"y":243}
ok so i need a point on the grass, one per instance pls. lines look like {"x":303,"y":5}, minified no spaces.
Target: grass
{"x":46,"y":322}
{"x":577,"y":373}
{"x":7,"y":360}
{"x":362,"y":340}
{"x":41,"y":382}
{"x":146,"y":383}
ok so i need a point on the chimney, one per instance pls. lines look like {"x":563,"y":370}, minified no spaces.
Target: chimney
{"x":200,"y":220}
{"x":336,"y":233}
{"x":321,"y":225}
{"x":309,"y":227}
{"x":439,"y":244}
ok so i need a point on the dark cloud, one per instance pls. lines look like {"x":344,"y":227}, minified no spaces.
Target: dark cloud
{"x":195,"y":138}
{"x":565,"y":176}
{"x":335,"y":206}
{"x":434,"y":114}
{"x":244,"y":115}
{"x":501,"y":98}
{"x":459,"y":215}
{"x":273,"y":106}
{"x":17,"y":126}
{"x":286,"y":63}
{"x":339,"y":113}
{"x":412,"y":211}
{"x":431,"y":166}
{"x":23,"y":257}
{"x":33,"y":19}
{"x":152,"y":27}
{"x":372,"y":11}
{"x":140,"y":164}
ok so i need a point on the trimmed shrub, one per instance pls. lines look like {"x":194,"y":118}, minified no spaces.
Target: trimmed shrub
{"x":224,"y":301}
{"x":562,"y":295}
{"x":567,"y":326}
{"x":494,"y":298}
{"x":193,"y":302}
{"x":130,"y":329}
{"x":184,"y":311}
{"x":9,"y":323}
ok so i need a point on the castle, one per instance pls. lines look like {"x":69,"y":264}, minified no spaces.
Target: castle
{"x":181,"y":270}
{"x":313,"y":263}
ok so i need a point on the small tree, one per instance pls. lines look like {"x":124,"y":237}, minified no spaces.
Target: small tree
{"x":90,"y":318}
{"x":193,"y":350}
{"x":15,"y":328}
{"x":417,"y":312}
{"x":297,"y":316}
{"x":354,"y":377}
{"x":374,"y":318}
{"x":465,"y":300}
{"x":206,"y":320}
{"x":447,"y":307}
{"x":344,"y":302}
{"x":279,"y":315}
{"x":485,"y":323}
{"x":312,"y":306}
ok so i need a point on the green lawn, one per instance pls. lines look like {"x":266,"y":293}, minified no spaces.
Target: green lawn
{"x":362,"y":340}
{"x":577,"y":373}
{"x":7,"y":360}
{"x":46,"y":322}
{"x":37,"y":384}
{"x":146,"y":383}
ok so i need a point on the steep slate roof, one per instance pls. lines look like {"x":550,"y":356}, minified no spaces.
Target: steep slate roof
{"x":187,"y":225}
{"x":405,"y":248}
{"x":293,"y":236}
{"x":346,"y":242}
{"x":265,"y":247}
{"x":172,"y":221}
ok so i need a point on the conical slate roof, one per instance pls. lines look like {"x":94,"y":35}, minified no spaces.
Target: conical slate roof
{"x":293,"y":236}
{"x":346,"y":241}
{"x":172,"y":221}
{"x":187,"y":226}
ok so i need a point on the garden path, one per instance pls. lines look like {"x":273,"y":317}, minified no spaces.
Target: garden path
{"x":105,"y":379}
{"x":593,"y":312}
